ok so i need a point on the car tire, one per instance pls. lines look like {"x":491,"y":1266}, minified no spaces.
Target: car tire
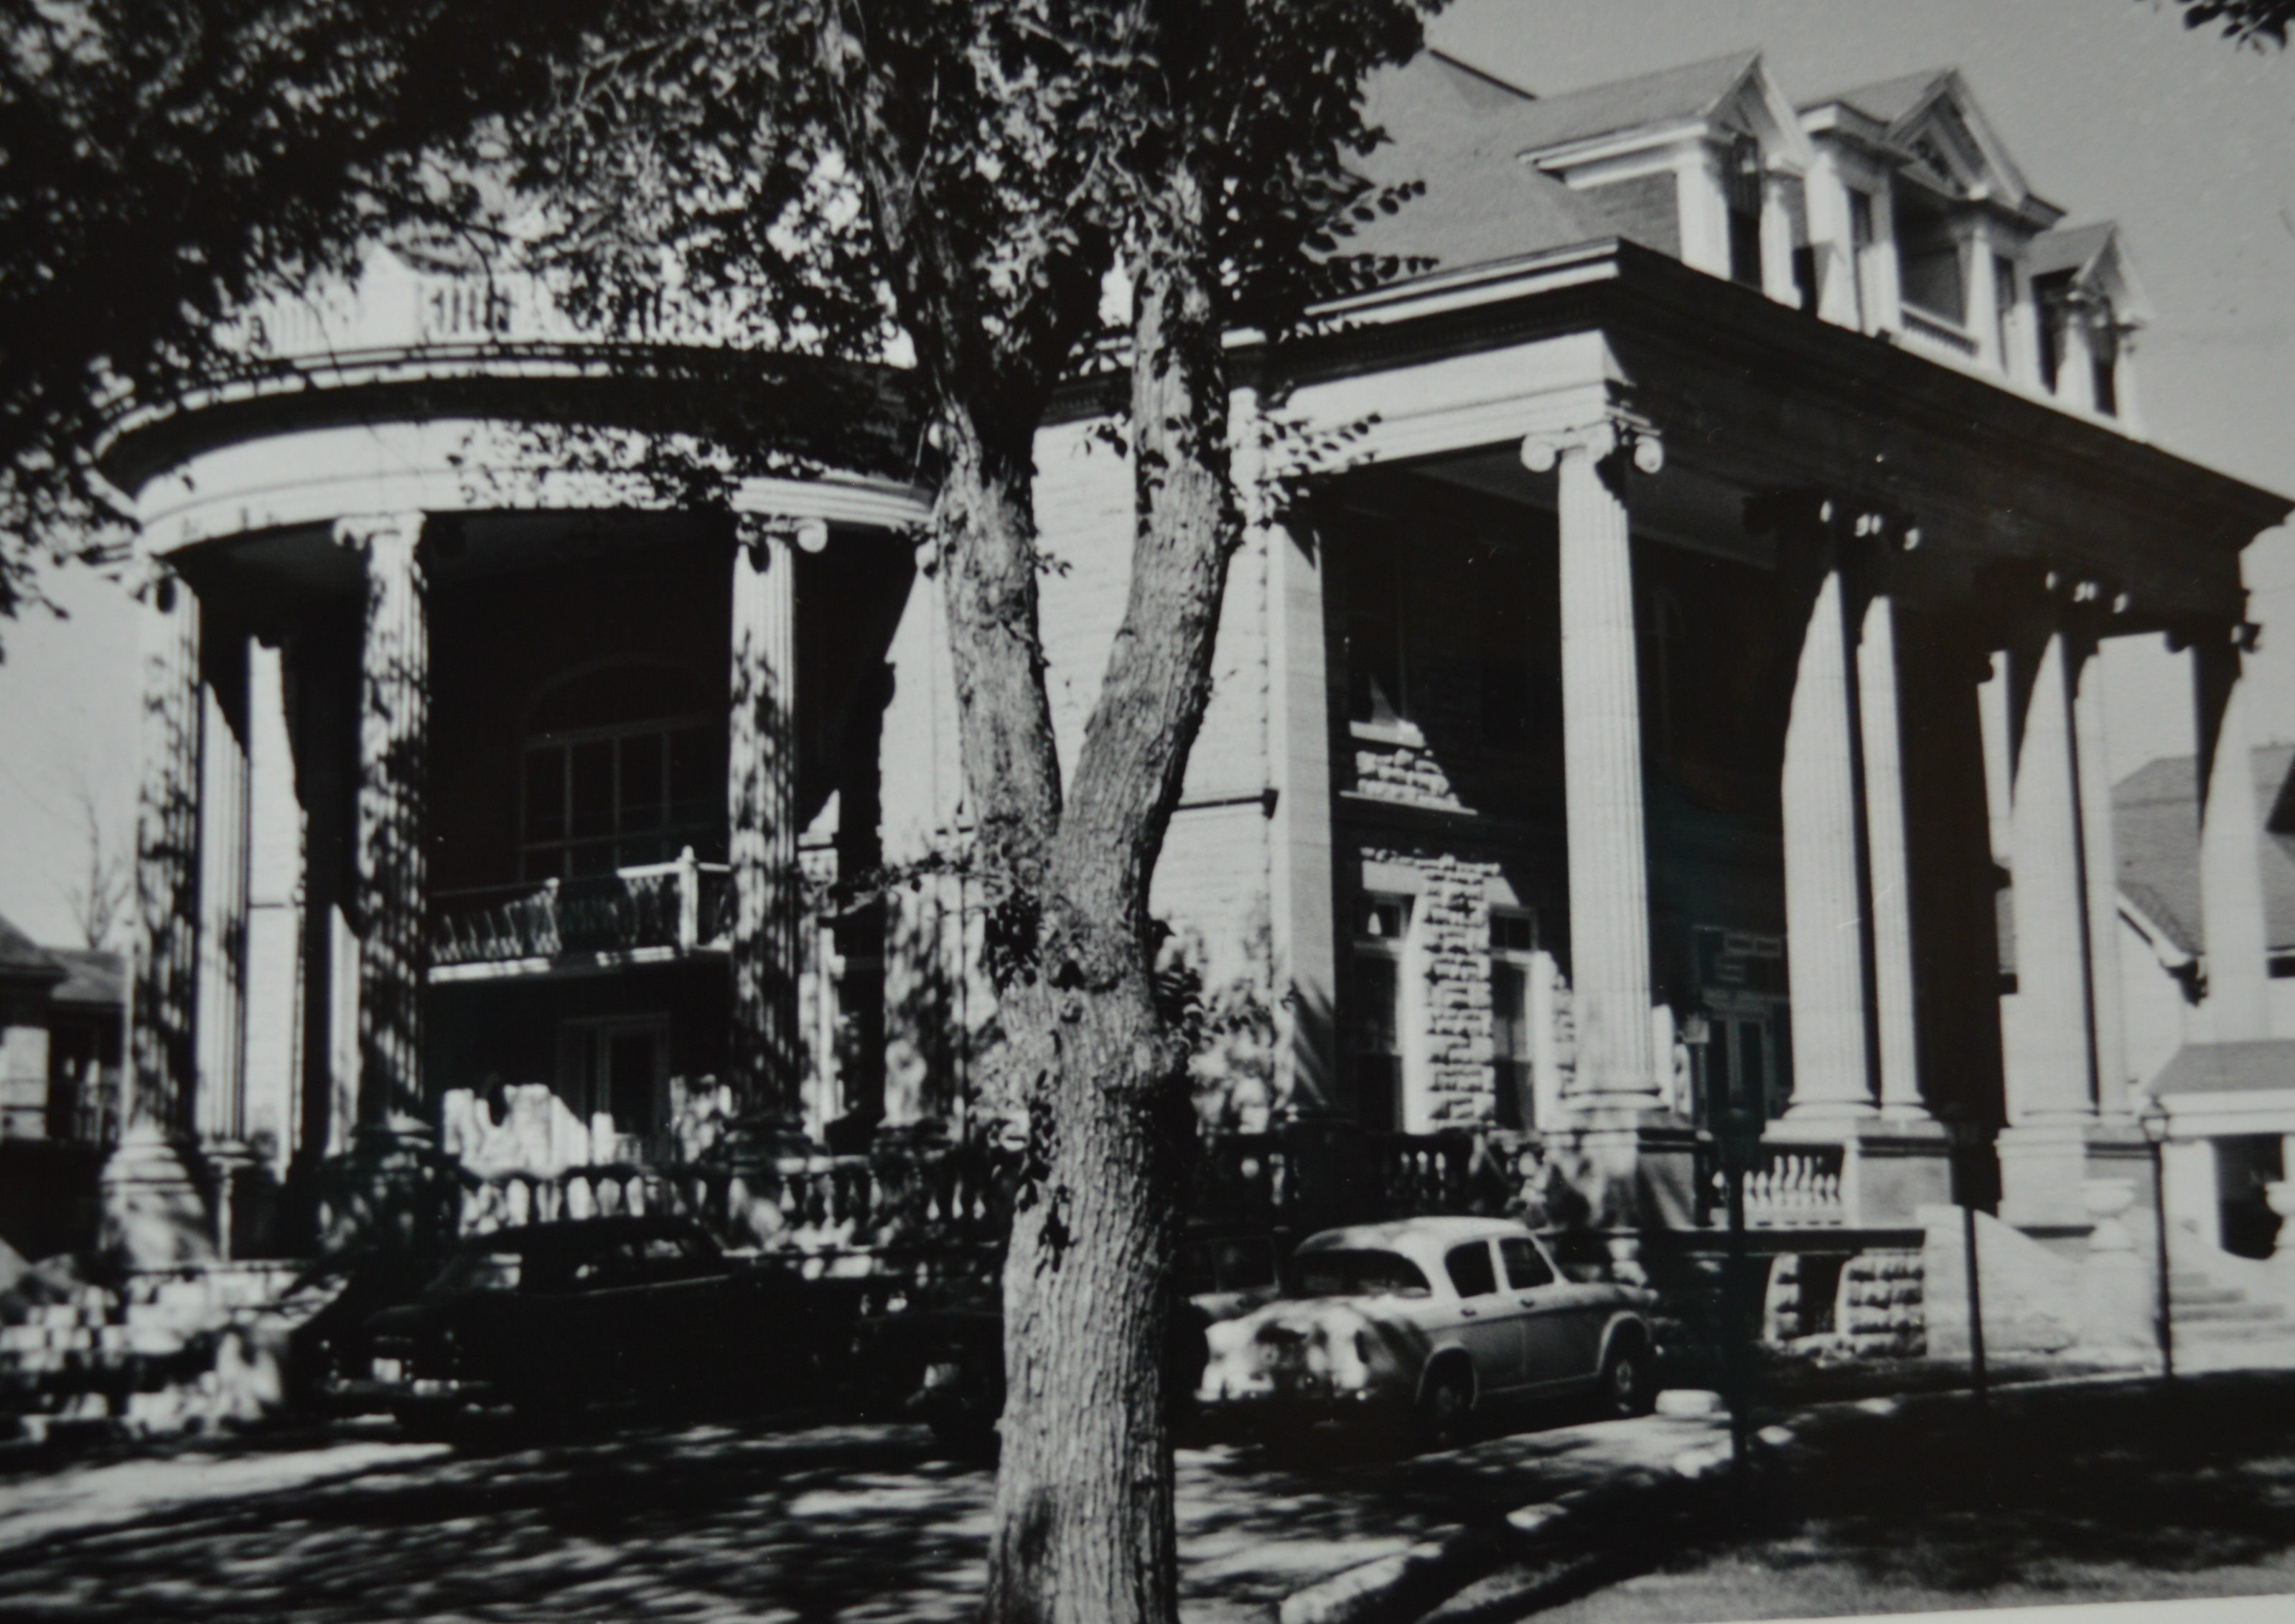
{"x":1625,"y":1387}
{"x":1446,"y":1406}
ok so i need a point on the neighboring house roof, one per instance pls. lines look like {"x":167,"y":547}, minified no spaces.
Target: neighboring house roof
{"x":96,"y":978}
{"x":2155,"y":832}
{"x":2229,"y":1068}
{"x":23,"y":959}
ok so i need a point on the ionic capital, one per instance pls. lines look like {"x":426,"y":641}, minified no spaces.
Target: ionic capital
{"x":374,"y":534}
{"x":1597,"y":437}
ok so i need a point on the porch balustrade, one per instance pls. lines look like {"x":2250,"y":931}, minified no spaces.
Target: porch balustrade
{"x":682,"y":906}
{"x":1789,"y":1187}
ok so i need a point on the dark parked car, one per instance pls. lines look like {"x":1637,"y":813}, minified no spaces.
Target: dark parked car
{"x":554,"y":1315}
{"x":942,"y":1359}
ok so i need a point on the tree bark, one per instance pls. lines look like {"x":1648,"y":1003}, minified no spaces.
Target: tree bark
{"x":1083,"y":1529}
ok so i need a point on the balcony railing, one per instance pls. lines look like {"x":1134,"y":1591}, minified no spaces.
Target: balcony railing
{"x":1940,"y":332}
{"x":682,"y":906}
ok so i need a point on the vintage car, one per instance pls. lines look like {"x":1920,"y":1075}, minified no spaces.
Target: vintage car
{"x":1431,"y":1318}
{"x":549,"y":1316}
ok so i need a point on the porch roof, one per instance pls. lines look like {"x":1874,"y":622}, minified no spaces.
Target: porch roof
{"x":2230,"y":1068}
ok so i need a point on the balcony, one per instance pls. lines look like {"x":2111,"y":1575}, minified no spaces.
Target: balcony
{"x":646,"y":914}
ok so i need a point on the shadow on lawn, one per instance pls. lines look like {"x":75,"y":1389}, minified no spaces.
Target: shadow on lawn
{"x":2197,"y":1476}
{"x":694,"y":1522}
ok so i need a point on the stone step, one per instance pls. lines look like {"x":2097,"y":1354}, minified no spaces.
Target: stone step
{"x":2231,"y":1313}
{"x":2202,"y":1296}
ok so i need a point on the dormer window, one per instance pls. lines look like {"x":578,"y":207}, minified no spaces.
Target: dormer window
{"x":1929,"y":262}
{"x":1744,"y":199}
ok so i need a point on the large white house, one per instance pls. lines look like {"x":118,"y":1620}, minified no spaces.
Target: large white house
{"x":1683,"y":698}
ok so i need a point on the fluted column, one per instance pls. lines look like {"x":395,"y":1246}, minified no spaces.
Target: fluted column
{"x":220,"y":1112}
{"x":394,"y":738}
{"x":163,"y":1062}
{"x":762,"y":813}
{"x":2101,"y":865}
{"x":1825,"y":910}
{"x":2231,"y":884}
{"x":2048,"y":1051}
{"x":1888,"y":867}
{"x":1602,"y":758}
{"x":153,"y":1215}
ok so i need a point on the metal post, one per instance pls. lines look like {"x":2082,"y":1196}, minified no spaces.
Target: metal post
{"x":1739,"y":1134}
{"x":2167,"y":1324}
{"x":1975,"y":1306}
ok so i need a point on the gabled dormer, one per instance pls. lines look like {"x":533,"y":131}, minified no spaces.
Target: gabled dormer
{"x":1922,"y":220}
{"x":2087,"y":306}
{"x":1708,"y":158}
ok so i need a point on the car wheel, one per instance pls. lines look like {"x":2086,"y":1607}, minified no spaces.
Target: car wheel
{"x":1626,"y":1388}
{"x":1447,"y":1406}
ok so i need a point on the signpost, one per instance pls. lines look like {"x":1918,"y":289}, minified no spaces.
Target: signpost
{"x":1975,"y":1183}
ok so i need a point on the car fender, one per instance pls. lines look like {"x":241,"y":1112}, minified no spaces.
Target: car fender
{"x":1444,"y":1353}
{"x":1626,"y":1320}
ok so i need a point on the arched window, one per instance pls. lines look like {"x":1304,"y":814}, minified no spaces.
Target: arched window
{"x":621,"y":765}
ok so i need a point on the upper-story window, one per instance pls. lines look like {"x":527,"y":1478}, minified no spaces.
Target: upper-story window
{"x":1930,"y":276}
{"x":1514,"y":948}
{"x":1743,"y":183}
{"x":1375,"y":1010}
{"x":620,"y":766}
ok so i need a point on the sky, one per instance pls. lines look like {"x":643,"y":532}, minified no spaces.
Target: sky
{"x":2111,"y":108}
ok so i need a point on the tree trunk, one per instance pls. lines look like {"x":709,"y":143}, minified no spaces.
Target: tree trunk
{"x":1084,"y":1529}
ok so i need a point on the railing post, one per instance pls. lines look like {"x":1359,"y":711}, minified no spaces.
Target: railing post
{"x":689,"y":901}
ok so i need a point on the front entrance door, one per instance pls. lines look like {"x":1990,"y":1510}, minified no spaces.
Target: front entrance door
{"x":613,"y":1072}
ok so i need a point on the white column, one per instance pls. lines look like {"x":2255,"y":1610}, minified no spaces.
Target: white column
{"x":2231,"y":884}
{"x":1602,"y":759}
{"x":274,"y":917}
{"x":2048,"y":1057}
{"x":1777,"y":238}
{"x":154,"y":1216}
{"x":1298,"y":753}
{"x":220,"y":1111}
{"x":163,"y":1057}
{"x":2101,"y":862}
{"x":761,"y":811}
{"x":1877,"y":695}
{"x":1825,"y":913}
{"x":393,"y":784}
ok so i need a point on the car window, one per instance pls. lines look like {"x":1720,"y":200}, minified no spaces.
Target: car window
{"x":618,"y":1263}
{"x":1340,"y":1273}
{"x":1525,"y":1266}
{"x":1242,"y":1265}
{"x":479,"y":1272}
{"x":668,"y":1249}
{"x":1470,"y":1270}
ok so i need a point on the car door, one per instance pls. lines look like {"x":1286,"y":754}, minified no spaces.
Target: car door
{"x":1488,"y":1322}
{"x":1561,"y":1320}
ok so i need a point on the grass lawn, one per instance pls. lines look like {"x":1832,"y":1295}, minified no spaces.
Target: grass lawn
{"x":2123,"y":1493}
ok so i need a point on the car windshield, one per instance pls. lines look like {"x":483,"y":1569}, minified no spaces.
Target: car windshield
{"x":479,"y":1272}
{"x":1356,"y":1274}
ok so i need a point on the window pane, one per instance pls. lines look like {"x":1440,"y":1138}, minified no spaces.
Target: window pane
{"x":593,"y":788}
{"x":597,"y":857}
{"x":1509,"y":1031}
{"x":1469,"y":1269}
{"x":629,"y":1059}
{"x":1524,"y":1268}
{"x":641,"y":781}
{"x":545,"y":794}
{"x":1375,"y":987}
{"x":697,"y":778}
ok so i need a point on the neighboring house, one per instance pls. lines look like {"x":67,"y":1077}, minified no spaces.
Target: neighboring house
{"x":1651,"y":720}
{"x":62,"y":1016}
{"x":2220,"y":1060}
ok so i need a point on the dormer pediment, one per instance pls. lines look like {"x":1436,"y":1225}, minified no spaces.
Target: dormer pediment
{"x":1711,"y":102}
{"x":1938,"y":135}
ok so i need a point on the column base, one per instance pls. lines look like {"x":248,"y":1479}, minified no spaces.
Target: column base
{"x":155,"y":1215}
{"x":1632,"y":1165}
{"x":244,"y":1196}
{"x":2043,"y":1167}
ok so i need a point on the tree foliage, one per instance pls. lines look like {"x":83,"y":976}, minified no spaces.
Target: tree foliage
{"x":2249,"y":22}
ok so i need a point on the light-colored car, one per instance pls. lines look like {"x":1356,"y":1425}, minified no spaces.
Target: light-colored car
{"x":1433,"y":1317}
